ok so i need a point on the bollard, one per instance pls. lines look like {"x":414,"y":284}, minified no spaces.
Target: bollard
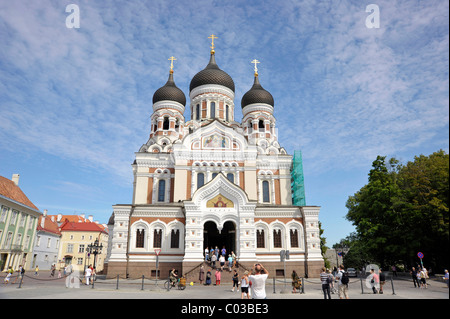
{"x":274,"y":285}
{"x":142,"y":288}
{"x":168,"y":286}
{"x":303,"y":285}
{"x":117,"y":285}
{"x":92,"y":282}
{"x":362,"y":287}
{"x":392,"y":284}
{"x":20,"y":284}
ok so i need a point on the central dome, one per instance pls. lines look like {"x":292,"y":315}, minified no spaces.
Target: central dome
{"x":212,"y":74}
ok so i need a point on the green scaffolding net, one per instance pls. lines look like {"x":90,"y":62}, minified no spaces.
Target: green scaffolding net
{"x":297,"y":180}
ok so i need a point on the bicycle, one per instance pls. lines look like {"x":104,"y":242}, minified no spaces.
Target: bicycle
{"x":180,"y":284}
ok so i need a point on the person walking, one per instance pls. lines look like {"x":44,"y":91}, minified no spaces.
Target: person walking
{"x":8,"y":275}
{"x":36,"y":271}
{"x":258,"y":281}
{"x":375,"y":281}
{"x":413,"y":273}
{"x":230,"y":262}
{"x":222,"y":262}
{"x":235,"y":281}
{"x":343,"y":281}
{"x":213,"y":261}
{"x":244,"y":285}
{"x":325,"y":278}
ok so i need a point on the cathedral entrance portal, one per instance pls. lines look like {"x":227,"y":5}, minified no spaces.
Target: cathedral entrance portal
{"x":226,"y":237}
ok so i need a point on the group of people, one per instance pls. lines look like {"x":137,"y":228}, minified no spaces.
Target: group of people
{"x":214,"y":255}
{"x":10,"y":271}
{"x":252,"y":285}
{"x":328,"y":280}
{"x":89,"y":274}
{"x":419,"y":277}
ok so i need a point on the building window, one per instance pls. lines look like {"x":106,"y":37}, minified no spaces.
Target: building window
{"x":166,"y":123}
{"x":265,"y":188}
{"x":277,"y":238}
{"x":161,"y":190}
{"x":214,"y":175}
{"x":230,"y":177}
{"x":140,"y":235}
{"x":261,"y":125}
{"x":260,"y":241}
{"x":226,"y":113}
{"x":197,"y":112}
{"x":175,"y":238}
{"x":294,"y":238}
{"x":200,"y":180}
{"x":81,"y":249}
{"x":69,"y":248}
{"x":157,"y":237}
{"x":212,"y":106}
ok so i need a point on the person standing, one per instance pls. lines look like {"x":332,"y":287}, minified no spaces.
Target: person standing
{"x":208,"y":277}
{"x":218,"y":276}
{"x":325,"y":279}
{"x":201,"y":274}
{"x":235,"y":281}
{"x":342,"y":283}
{"x":230,"y":262}
{"x":295,"y":281}
{"x":87,"y":274}
{"x":213,"y":260}
{"x":222,"y":262}
{"x":382,"y":278}
{"x":446,"y":277}
{"x":244,"y":285}
{"x":258,"y":281}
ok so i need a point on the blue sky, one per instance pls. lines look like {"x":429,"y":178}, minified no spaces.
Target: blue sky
{"x":75,"y":104}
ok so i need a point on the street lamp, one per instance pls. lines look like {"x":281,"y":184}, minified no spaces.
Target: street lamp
{"x":95,"y":249}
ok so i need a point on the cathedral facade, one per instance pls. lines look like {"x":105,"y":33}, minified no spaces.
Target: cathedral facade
{"x":212,"y":181}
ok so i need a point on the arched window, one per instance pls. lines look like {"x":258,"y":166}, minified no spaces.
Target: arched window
{"x":260,"y":241}
{"x":175,"y":238}
{"x":226,"y":113}
{"x":161,"y":190}
{"x":213,"y":109}
{"x":277,"y":243}
{"x":265,"y":189}
{"x":294,"y":238}
{"x":197,"y":112}
{"x":261,"y":125}
{"x":177,"y":125}
{"x":200,"y":180}
{"x":140,"y":237}
{"x":214,"y":175}
{"x":166,"y":123}
{"x":250,"y":126}
{"x":230,"y":177}
{"x":157,"y":238}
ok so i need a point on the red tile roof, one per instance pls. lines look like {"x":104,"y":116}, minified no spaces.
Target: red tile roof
{"x":75,"y":226}
{"x":49,"y":225}
{"x":9,"y":189}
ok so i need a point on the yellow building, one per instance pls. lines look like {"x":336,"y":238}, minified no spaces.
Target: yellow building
{"x":76,"y":245}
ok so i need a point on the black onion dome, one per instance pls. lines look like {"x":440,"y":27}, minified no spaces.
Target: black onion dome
{"x":212,"y":74}
{"x":169,"y":92}
{"x":257,"y":95}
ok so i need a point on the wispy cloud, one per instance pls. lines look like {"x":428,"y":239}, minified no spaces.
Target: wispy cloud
{"x":343,"y":93}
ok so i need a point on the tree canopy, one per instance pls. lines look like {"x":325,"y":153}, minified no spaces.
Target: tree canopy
{"x":402,"y":210}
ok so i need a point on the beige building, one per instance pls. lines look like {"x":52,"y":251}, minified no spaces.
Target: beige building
{"x":76,"y":238}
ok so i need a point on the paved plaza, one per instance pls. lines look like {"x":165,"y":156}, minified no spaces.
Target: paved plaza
{"x":45,"y":287}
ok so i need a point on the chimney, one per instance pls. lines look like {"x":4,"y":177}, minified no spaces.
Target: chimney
{"x":15,"y":179}
{"x":53,"y":218}
{"x":91,"y":218}
{"x":82,"y":216}
{"x":42,"y":221}
{"x":45,"y":212}
{"x":59,"y":217}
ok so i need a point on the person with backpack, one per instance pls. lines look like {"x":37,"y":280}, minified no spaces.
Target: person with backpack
{"x":343,"y":281}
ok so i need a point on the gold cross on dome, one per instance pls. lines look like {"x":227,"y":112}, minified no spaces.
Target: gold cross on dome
{"x":212,"y":37}
{"x":171,"y":63}
{"x":256,"y":68}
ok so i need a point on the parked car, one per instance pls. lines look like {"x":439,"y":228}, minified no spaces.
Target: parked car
{"x":352,"y":272}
